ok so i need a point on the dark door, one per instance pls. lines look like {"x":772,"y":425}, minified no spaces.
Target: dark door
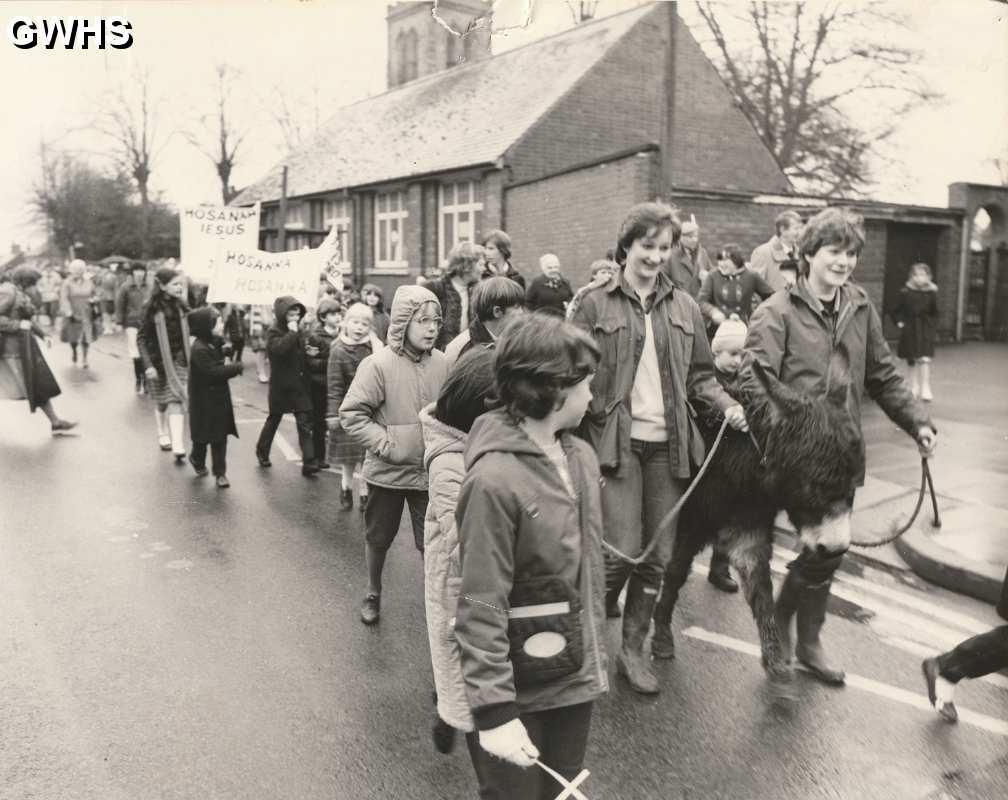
{"x":906,"y":245}
{"x":974,"y":323}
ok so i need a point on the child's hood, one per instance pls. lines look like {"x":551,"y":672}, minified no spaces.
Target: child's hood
{"x":495,"y":432}
{"x":201,"y":323}
{"x":284,"y":304}
{"x":439,"y":438}
{"x":405,"y":303}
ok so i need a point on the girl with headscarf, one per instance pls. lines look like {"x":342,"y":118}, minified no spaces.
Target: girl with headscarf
{"x":163,"y":342}
{"x":24,"y":373}
{"x":76,"y":296}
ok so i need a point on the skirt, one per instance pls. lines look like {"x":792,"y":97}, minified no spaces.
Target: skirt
{"x":38,"y":385}
{"x":342,"y":450}
{"x":160,"y":390}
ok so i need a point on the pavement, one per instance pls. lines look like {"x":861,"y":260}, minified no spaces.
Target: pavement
{"x":968,"y":551}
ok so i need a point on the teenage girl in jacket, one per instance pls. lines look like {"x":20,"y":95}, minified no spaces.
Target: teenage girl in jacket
{"x":792,"y":336}
{"x":530,"y":622}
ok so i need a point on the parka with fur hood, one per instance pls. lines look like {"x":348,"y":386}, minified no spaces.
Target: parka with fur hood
{"x":289,"y":384}
{"x":381,"y":406}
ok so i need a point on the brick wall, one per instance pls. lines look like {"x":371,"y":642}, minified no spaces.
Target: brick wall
{"x":575,"y":215}
{"x":614,"y":107}
{"x":713,"y":144}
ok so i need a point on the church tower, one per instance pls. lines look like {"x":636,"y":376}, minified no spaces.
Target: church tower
{"x":418,"y":45}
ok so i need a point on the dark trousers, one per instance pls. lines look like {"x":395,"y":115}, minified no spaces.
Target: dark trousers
{"x":320,"y":433}
{"x":384,"y":513}
{"x":218,"y":455}
{"x":138,"y":370}
{"x":560,"y":734}
{"x":237,"y":348}
{"x":976,"y":657}
{"x":304,"y":430}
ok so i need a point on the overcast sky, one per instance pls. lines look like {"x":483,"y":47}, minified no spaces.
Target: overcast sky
{"x":336,"y":50}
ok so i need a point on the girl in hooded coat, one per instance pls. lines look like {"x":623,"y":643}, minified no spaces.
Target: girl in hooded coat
{"x":916,"y":315}
{"x":446,"y":424}
{"x":211,"y":415}
{"x":163,"y":343}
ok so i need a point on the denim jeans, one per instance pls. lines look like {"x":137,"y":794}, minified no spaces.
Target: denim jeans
{"x":632,"y":507}
{"x":560,"y":734}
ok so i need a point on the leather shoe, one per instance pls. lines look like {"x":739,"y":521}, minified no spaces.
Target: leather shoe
{"x":62,"y":426}
{"x":723,"y":581}
{"x":346,"y":499}
{"x":201,"y":470}
{"x":263,"y":460}
{"x":947,"y":711}
{"x":309,"y":470}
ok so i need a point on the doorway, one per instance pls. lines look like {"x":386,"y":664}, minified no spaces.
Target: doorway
{"x":906,"y":244}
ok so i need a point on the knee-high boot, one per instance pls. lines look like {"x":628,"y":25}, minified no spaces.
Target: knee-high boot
{"x":815,"y":579}
{"x":632,"y":663}
{"x":925,"y":381}
{"x":164,"y":439}
{"x":176,"y":426}
{"x":914,"y":379}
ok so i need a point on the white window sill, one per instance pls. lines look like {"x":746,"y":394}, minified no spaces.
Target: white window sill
{"x":391,"y":269}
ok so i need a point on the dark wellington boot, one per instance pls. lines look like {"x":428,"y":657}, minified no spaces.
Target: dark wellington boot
{"x":632,"y":663}
{"x":809,"y":650}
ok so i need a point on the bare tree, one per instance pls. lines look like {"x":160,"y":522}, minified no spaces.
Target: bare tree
{"x":216,"y":135}
{"x":129,"y":117}
{"x":297,"y":115}
{"x":796,"y":71}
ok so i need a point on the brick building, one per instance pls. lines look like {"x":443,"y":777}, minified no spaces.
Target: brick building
{"x":553,"y":142}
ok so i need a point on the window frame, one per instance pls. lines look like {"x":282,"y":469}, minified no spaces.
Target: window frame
{"x":472,"y":207}
{"x":400,"y":215}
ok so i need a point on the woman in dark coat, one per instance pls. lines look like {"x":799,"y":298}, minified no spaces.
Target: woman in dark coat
{"x":211,"y":415}
{"x":163,"y":342}
{"x":916,"y":315}
{"x":497,"y":246}
{"x":24,"y":373}
{"x":289,"y":390}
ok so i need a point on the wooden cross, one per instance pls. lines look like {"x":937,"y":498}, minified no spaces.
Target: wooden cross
{"x":570,"y":789}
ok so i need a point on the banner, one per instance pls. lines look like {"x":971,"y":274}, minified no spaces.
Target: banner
{"x":258,"y":278}
{"x":205,"y":229}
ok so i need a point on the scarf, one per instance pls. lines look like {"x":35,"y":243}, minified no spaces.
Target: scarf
{"x":161,"y":325}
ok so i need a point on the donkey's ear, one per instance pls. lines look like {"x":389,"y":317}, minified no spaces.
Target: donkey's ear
{"x":780,"y":396}
{"x":838,"y":376}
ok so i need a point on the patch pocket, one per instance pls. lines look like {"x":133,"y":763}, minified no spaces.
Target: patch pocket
{"x":544,"y":629}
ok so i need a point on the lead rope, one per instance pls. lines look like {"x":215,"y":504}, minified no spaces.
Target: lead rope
{"x":896,"y":530}
{"x":671,"y":516}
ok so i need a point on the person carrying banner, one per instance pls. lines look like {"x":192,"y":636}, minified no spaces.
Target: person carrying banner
{"x":163,"y":344}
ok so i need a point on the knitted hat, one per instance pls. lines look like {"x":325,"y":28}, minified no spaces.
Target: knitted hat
{"x":731,"y":335}
{"x":166,"y":275}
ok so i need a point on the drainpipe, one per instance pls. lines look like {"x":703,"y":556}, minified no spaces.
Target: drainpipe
{"x":964,"y":252}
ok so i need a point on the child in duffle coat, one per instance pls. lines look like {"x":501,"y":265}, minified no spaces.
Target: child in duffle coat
{"x":355,"y":343}
{"x":916,"y":315}
{"x":289,"y":390}
{"x":380,"y":412}
{"x":323,"y":333}
{"x":792,"y":336}
{"x":446,"y":425}
{"x":530,"y":622}
{"x":211,"y":415}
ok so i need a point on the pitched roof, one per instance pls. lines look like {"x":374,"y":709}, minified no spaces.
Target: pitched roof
{"x":453,"y":119}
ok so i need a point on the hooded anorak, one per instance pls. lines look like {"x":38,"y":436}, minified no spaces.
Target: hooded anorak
{"x":211,"y":414}
{"x":289,"y":383}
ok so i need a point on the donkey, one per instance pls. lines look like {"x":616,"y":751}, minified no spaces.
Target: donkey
{"x":804,"y":455}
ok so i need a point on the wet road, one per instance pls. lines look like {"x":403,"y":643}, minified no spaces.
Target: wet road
{"x":163,"y":639}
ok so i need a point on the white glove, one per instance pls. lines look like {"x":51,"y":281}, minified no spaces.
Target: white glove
{"x":510,"y":742}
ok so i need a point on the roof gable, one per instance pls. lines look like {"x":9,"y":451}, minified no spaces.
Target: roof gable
{"x":458,"y":118}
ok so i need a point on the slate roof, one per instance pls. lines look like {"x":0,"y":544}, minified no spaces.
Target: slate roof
{"x":453,"y":119}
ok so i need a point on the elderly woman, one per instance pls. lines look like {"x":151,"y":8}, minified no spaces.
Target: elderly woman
{"x":465,"y":266}
{"x":24,"y":373}
{"x":76,"y":296}
{"x":497,"y":246}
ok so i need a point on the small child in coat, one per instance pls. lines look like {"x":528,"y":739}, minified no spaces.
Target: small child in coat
{"x":916,"y":315}
{"x":354,"y":343}
{"x":323,"y":333}
{"x":380,"y":412}
{"x":211,"y":415}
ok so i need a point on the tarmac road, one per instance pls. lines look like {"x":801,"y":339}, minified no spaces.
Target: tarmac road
{"x":163,"y":639}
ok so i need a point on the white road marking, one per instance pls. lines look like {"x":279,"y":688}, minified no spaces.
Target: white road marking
{"x":289,"y":452}
{"x":924,"y":651}
{"x":977,"y":720}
